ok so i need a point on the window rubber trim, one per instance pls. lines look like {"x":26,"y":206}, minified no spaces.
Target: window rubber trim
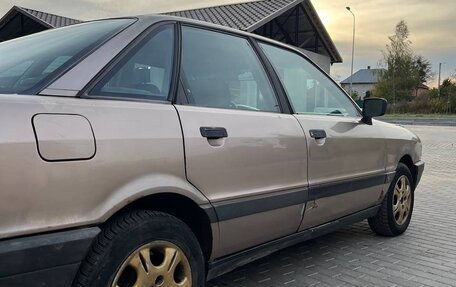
{"x":248,"y":38}
{"x":302,"y":55}
{"x":176,"y":80}
{"x":84,"y":53}
{"x":280,"y":92}
{"x":124,"y":54}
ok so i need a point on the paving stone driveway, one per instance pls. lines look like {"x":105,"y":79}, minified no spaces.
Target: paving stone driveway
{"x":424,"y":256}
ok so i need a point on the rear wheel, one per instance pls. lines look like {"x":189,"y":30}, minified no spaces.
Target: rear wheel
{"x":396,"y":210}
{"x":143,"y":248}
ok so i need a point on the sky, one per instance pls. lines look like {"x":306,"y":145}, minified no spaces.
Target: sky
{"x":431,"y":24}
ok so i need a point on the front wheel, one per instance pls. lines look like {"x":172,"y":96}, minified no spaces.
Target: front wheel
{"x":395,"y":213}
{"x":143,"y":248}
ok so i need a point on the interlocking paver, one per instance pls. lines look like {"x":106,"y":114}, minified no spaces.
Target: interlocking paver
{"x":424,"y":256}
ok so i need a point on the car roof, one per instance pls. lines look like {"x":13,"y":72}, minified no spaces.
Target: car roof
{"x":145,"y":21}
{"x":155,"y":18}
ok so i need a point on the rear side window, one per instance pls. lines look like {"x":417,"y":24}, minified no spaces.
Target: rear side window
{"x":309,"y":90}
{"x":145,"y":72}
{"x":223,"y":71}
{"x":27,"y":63}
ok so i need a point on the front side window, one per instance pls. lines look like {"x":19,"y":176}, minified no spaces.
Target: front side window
{"x":27,"y":62}
{"x":309,"y":90}
{"x":145,"y":72}
{"x":223,"y":71}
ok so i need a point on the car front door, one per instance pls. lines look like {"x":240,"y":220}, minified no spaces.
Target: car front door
{"x":346,"y":163}
{"x":242,"y":152}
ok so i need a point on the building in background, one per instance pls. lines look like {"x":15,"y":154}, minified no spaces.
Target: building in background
{"x":294,"y":22}
{"x":18,"y":22}
{"x":364,"y":81}
{"x":421,"y":90}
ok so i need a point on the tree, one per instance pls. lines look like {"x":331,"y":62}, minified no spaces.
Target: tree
{"x":405,"y":71}
{"x":447,"y":93}
{"x":354,"y":95}
{"x":424,"y":68}
{"x":452,"y":78}
{"x":423,"y":72}
{"x":447,"y":87}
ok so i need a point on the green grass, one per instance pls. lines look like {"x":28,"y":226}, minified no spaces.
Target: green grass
{"x":422,"y":116}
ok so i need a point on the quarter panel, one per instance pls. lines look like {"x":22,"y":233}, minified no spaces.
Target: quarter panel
{"x":139,"y":152}
{"x":63,"y":137}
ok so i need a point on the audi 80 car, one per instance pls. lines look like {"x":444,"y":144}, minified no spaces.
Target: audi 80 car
{"x":160,"y":151}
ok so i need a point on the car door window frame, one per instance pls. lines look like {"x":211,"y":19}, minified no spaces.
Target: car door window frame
{"x":301,"y":55}
{"x":270,"y":77}
{"x":127,"y":52}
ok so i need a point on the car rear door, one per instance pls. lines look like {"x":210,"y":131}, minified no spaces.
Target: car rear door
{"x":242,"y":152}
{"x":346,"y":163}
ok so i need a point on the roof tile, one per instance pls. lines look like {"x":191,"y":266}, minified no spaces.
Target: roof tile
{"x":51,"y":20}
{"x":239,"y":16}
{"x":365,"y":76}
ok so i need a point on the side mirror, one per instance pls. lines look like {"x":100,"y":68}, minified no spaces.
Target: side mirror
{"x":373,"y":107}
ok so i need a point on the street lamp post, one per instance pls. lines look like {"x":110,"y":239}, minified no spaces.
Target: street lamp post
{"x":353,"y":50}
{"x":448,"y":100}
{"x":440,"y":72}
{"x":394,"y":85}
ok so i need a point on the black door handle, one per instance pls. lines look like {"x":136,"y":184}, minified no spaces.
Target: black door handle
{"x":318,"y":134}
{"x":213,"y":133}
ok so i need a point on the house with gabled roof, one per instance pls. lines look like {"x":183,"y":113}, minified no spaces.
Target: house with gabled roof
{"x":294,"y":22}
{"x":20,"y":21}
{"x":363,"y":82}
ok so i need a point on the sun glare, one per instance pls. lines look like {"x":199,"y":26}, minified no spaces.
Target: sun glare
{"x":325,"y":17}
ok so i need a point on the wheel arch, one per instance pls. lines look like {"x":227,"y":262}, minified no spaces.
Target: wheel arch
{"x":407,"y":160}
{"x":181,"y":207}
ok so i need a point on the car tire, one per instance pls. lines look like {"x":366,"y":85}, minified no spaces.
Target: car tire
{"x":396,"y":210}
{"x":149,"y":246}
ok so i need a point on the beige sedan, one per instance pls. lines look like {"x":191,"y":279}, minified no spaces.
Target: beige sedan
{"x":160,"y":151}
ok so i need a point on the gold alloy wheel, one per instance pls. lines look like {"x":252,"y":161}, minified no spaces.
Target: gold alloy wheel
{"x":402,"y":200}
{"x":157,"y":264}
